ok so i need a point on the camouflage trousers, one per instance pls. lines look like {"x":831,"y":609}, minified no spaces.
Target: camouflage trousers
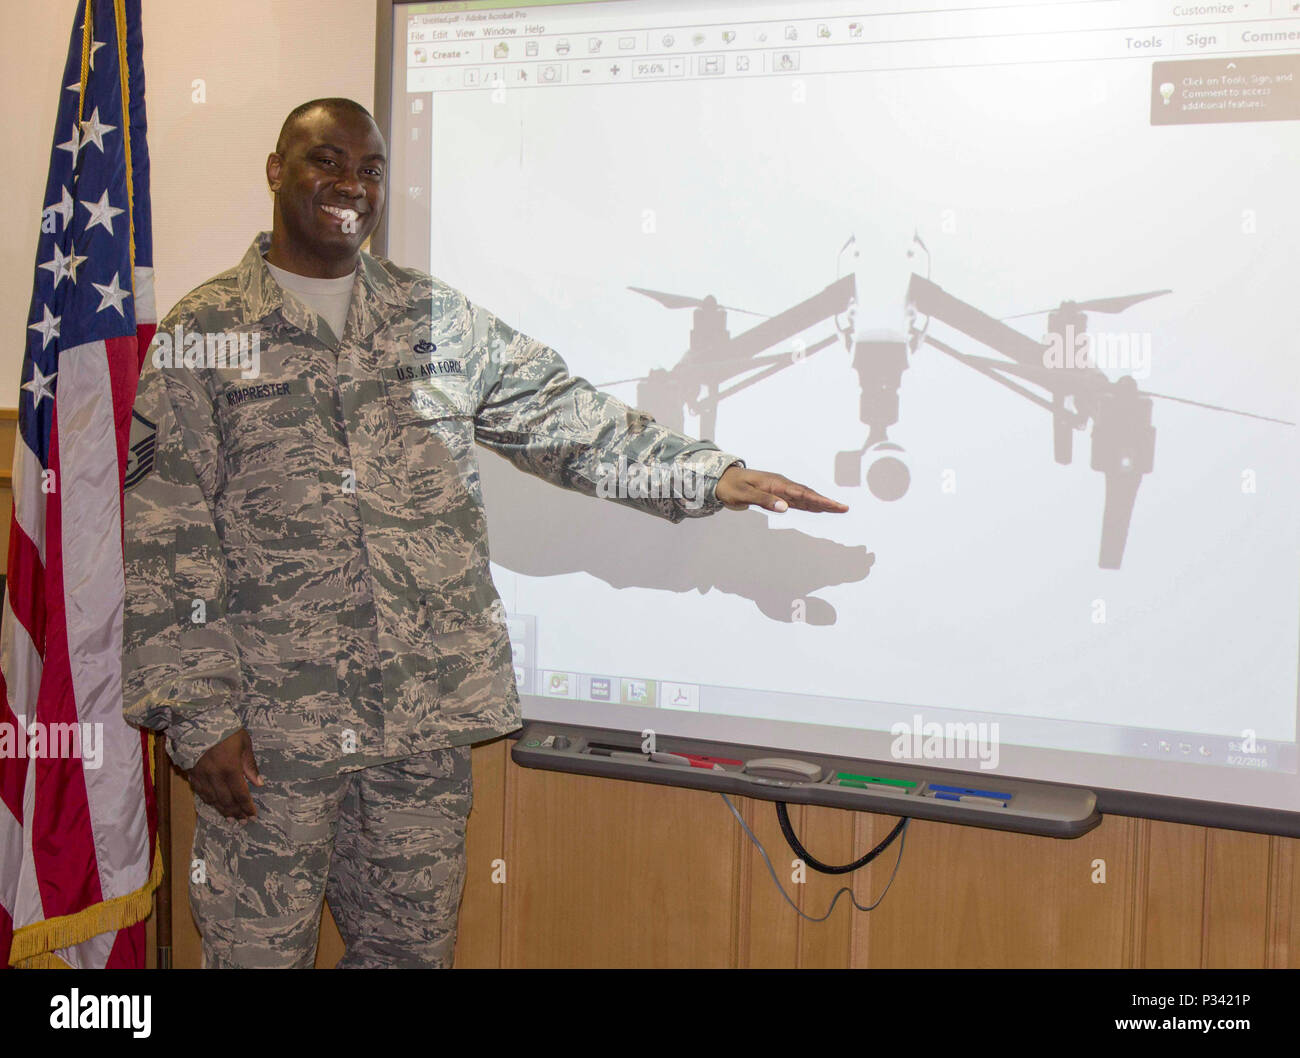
{"x":385,"y":844}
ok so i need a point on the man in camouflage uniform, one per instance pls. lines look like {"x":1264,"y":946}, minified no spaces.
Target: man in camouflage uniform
{"x":309,"y":610}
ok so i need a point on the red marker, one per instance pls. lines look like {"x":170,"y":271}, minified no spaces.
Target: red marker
{"x":698,"y":761}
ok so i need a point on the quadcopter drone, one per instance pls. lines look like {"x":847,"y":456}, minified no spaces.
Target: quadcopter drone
{"x":718,"y":364}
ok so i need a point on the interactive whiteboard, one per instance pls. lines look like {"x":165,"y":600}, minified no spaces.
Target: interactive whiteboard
{"x":1015,"y":282}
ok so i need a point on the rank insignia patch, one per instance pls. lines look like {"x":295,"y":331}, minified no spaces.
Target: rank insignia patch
{"x":140,"y":449}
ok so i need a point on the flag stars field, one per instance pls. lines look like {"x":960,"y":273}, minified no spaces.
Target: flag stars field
{"x":101,"y":212}
{"x":93,"y":131}
{"x":39,"y":386}
{"x":73,"y":143}
{"x":48,"y":327}
{"x":63,"y":266}
{"x":112,"y":295}
{"x":63,"y":207}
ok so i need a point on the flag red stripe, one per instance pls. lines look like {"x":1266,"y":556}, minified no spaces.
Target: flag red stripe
{"x":13,"y":776}
{"x":26,"y":583}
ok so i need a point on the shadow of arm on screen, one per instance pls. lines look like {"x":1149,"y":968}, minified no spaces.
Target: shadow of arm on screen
{"x":541,"y":531}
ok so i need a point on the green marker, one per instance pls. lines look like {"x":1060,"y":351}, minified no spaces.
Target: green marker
{"x":847,"y":778}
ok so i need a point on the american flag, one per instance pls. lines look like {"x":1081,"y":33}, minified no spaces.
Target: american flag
{"x":78,"y":845}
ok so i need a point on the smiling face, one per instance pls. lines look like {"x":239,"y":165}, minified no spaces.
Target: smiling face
{"x":328,"y":176}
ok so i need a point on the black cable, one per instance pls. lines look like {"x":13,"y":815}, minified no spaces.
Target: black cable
{"x":783,"y":817}
{"x":842,"y":891}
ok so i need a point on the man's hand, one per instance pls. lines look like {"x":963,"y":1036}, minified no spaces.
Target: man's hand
{"x":222,"y":774}
{"x":739,"y":487}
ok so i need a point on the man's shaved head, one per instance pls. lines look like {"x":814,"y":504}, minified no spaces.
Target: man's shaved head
{"x":328,"y":174}
{"x":335,"y":105}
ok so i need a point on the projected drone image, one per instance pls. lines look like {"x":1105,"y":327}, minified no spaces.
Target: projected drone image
{"x":1062,"y":374}
{"x":1083,"y":378}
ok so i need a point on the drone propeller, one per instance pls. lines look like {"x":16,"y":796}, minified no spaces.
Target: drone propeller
{"x":1215,"y":407}
{"x":998,"y":370}
{"x":736,"y":366}
{"x":1118,"y":304}
{"x":681,"y":301}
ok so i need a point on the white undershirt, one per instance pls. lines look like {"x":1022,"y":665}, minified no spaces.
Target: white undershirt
{"x":328,"y":298}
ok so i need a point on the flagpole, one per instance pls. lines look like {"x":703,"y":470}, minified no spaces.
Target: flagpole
{"x":163,"y":894}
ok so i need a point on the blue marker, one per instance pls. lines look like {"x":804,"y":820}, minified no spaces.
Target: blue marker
{"x":987,"y":802}
{"x":938,"y":791}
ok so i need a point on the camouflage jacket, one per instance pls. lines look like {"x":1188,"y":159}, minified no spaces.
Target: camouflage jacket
{"x":306,"y":549}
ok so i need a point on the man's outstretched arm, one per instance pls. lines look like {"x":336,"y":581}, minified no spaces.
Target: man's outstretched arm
{"x":561,"y":428}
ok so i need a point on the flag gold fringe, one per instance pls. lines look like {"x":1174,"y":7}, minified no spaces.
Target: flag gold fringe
{"x":48,"y":960}
{"x":35,"y":946}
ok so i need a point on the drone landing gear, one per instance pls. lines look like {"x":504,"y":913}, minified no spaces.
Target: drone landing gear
{"x":1062,"y":430}
{"x":1121,"y":494}
{"x":1123,"y":449}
